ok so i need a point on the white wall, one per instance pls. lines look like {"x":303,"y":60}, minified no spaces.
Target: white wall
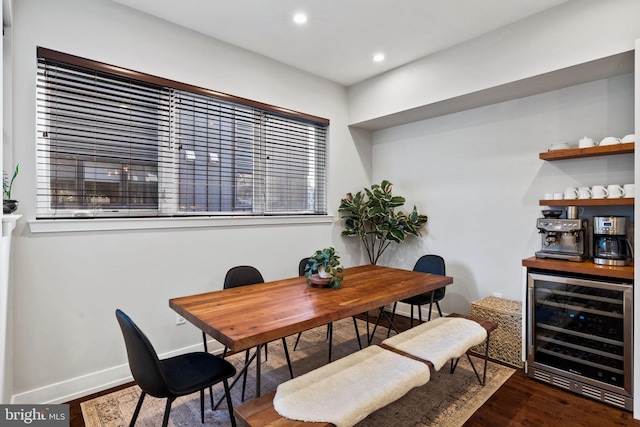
{"x":477,"y":175}
{"x":67,"y":285}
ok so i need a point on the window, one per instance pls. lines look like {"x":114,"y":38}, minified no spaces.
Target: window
{"x":117,"y":143}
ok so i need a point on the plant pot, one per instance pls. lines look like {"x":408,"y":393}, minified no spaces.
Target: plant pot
{"x":320,"y":282}
{"x":9,"y":206}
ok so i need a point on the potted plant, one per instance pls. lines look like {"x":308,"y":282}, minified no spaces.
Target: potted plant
{"x":370,"y":215}
{"x":9,"y":205}
{"x":324,"y":269}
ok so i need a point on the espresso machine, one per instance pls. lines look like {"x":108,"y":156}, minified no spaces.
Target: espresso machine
{"x":610,"y":243}
{"x":563,"y":238}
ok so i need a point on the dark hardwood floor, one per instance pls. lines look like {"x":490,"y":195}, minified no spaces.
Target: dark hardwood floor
{"x":520,"y":401}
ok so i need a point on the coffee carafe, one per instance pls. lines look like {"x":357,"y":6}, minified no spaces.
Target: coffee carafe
{"x":610,"y":243}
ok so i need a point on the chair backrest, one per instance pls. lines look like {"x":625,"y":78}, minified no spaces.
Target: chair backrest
{"x":302,"y":267}
{"x":143,"y":359}
{"x":433,"y":264}
{"x":242,"y":275}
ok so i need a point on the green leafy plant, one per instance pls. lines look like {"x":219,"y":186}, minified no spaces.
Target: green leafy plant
{"x":370,"y":215}
{"x":328,"y":260}
{"x":7,"y":184}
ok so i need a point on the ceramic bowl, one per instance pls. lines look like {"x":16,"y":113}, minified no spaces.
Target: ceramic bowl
{"x":610,"y":140}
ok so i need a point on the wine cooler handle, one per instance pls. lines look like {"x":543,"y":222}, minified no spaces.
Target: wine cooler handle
{"x":530,"y":321}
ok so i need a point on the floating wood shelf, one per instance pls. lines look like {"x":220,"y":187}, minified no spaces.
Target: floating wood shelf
{"x":627,"y":201}
{"x":575,"y":153}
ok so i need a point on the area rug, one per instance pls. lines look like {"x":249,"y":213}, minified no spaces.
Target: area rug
{"x":446,"y":400}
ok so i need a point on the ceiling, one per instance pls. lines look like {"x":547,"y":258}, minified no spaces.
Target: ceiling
{"x":341,"y":36}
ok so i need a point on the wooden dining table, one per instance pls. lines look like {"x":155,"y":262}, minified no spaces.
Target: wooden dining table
{"x":248,"y":316}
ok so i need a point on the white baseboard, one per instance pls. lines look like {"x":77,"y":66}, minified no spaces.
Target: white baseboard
{"x":74,"y":388}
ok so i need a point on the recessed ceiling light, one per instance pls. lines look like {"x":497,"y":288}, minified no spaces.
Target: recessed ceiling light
{"x":300,"y":18}
{"x":378,"y":57}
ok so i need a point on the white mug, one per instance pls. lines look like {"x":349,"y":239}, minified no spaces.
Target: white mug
{"x":586,"y":142}
{"x":584,"y":193}
{"x":548,"y":196}
{"x":571,"y":193}
{"x":599,"y":192}
{"x":557,"y":196}
{"x":629,"y":190}
{"x":615,"y":191}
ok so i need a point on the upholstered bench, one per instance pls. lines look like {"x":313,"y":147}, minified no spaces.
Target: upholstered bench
{"x":388,"y":366}
{"x":444,"y":339}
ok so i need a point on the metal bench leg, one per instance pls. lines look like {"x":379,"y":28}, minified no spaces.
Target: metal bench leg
{"x":482,"y":380}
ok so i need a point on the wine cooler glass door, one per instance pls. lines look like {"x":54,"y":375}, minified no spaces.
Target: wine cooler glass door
{"x":583,"y":328}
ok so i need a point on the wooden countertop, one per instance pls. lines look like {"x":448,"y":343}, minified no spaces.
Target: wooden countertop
{"x":584,"y":267}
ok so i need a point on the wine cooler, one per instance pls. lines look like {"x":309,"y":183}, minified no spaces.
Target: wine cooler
{"x":579,"y":336}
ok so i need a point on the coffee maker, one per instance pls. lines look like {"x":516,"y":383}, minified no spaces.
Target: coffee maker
{"x":610,"y":243}
{"x":562,"y":238}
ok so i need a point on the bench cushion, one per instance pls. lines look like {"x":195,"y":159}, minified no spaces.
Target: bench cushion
{"x":439,"y":340}
{"x":348,"y":389}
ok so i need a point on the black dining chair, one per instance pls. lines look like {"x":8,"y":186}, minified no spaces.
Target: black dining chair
{"x":302,"y":269}
{"x":172,"y":377}
{"x":433,"y":264}
{"x":244,"y":275}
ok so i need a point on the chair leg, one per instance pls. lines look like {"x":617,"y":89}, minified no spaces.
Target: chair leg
{"x":430,"y":307}
{"x":412,"y":315}
{"x":167,"y":410}
{"x":202,"y":405}
{"x":367,"y":323}
{"x":393,"y":313}
{"x":355,"y":325}
{"x":420,"y":313}
{"x":204,"y":341}
{"x":330,"y":333}
{"x":229,"y":403}
{"x":438,"y":307}
{"x":137,"y":411}
{"x":211,"y":396}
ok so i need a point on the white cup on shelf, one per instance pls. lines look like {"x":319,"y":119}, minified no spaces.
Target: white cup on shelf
{"x":548,"y":196}
{"x":571,"y":193}
{"x":558,"y":196}
{"x":615,"y":191}
{"x":629,"y":190}
{"x":586,"y":142}
{"x":584,"y":193}
{"x":599,"y":192}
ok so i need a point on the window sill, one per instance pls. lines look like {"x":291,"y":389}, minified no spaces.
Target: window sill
{"x":111,"y":224}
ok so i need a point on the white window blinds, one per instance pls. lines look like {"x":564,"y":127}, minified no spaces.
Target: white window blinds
{"x":117,"y":143}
